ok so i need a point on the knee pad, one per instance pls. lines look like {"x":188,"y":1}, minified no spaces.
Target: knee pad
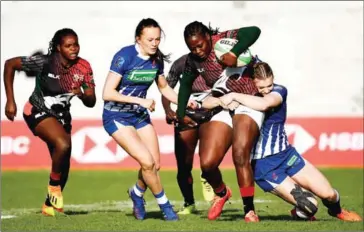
{"x":306,"y":201}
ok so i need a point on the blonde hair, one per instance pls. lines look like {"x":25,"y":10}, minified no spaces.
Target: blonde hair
{"x":262,"y":71}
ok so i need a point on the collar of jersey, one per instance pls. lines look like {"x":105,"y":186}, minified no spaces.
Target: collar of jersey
{"x":137,"y":48}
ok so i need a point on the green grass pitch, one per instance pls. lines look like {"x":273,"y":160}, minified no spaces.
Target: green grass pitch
{"x":97,"y":201}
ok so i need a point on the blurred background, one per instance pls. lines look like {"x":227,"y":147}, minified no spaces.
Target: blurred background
{"x":315,"y":49}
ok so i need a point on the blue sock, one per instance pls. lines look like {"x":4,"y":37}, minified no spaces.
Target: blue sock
{"x":138,"y":191}
{"x":162,"y":198}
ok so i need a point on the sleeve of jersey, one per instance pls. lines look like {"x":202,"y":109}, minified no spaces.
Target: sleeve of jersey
{"x":160,"y":69}
{"x":33,"y":63}
{"x":232,"y":34}
{"x":88,"y":81}
{"x":281,"y":90}
{"x":246,"y":37}
{"x":119,"y":62}
{"x":174,"y":75}
{"x":185,"y":89}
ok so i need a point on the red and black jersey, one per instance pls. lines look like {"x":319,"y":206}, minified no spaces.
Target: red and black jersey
{"x":175,"y":74}
{"x":210,"y":69}
{"x":54,"y":82}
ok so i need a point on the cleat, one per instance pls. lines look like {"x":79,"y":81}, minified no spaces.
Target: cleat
{"x":48,"y":210}
{"x":168,"y":212}
{"x":296,"y":217}
{"x":207,"y":191}
{"x":251,"y":217}
{"x":347,"y":215}
{"x":55,"y":197}
{"x":218,"y":204}
{"x":138,"y":205}
{"x":189,"y":209}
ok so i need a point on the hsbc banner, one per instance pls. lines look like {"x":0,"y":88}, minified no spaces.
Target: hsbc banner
{"x":333,"y":142}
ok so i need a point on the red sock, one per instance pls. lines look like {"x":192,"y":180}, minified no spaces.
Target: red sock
{"x":220,"y":188}
{"x":247,"y":191}
{"x":55,"y":176}
{"x":55,"y":179}
{"x":247,"y":194}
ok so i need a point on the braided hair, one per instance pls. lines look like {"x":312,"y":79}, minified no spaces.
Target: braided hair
{"x":57,"y":39}
{"x":262,"y":71}
{"x":149,"y":22}
{"x":198,"y":28}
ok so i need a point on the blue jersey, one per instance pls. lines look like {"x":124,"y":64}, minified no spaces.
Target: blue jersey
{"x":273,"y":138}
{"x":138,"y":73}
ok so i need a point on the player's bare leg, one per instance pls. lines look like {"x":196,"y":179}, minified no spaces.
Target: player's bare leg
{"x":215,"y":140}
{"x":245,"y":132}
{"x":312,"y":179}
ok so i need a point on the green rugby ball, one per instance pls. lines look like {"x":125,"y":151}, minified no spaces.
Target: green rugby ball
{"x":224,"y":45}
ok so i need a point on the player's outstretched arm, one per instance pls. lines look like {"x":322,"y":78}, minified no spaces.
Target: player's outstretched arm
{"x":211,"y":102}
{"x":166,"y":90}
{"x":23,"y":63}
{"x":270,"y":100}
{"x":184,"y":93}
{"x":88,"y":97}
{"x":9,"y":72}
{"x":246,"y":37}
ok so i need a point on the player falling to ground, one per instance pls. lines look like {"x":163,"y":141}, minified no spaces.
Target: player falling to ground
{"x":125,"y":116}
{"x":60,"y":75}
{"x":278,"y":167}
{"x":240,"y":131}
{"x":186,"y":138}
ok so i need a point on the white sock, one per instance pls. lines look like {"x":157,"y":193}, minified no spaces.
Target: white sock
{"x":337,"y":196}
{"x":138,"y":191}
{"x":161,"y":198}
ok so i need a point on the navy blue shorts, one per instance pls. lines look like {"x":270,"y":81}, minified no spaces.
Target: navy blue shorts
{"x":270,"y":171}
{"x":113,"y":123}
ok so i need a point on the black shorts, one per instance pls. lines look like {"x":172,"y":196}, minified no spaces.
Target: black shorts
{"x":33,"y":117}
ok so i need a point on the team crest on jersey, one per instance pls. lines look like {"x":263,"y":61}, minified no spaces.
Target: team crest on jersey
{"x":154,"y":64}
{"x":77,"y":77}
{"x":119,"y":61}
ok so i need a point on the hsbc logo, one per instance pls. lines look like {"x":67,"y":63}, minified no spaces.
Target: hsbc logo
{"x":94,"y":145}
{"x":299,"y":138}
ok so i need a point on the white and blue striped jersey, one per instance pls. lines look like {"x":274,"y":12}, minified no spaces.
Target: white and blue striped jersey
{"x":138,"y":73}
{"x":273,"y":138}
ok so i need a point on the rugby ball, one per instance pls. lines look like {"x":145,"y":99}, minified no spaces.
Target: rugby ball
{"x":224,"y":45}
{"x":301,"y":214}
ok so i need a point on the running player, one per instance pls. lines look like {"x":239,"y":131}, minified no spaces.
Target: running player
{"x":246,"y":122}
{"x":278,"y":167}
{"x":60,"y":75}
{"x":125,"y":116}
{"x":186,"y":138}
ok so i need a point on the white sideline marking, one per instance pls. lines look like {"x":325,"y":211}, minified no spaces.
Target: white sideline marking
{"x":7,"y":216}
{"x":114,"y":205}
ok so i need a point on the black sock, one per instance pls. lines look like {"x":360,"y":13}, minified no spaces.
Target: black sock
{"x":188,"y":203}
{"x":334,"y":207}
{"x":47,"y":202}
{"x":185,"y":183}
{"x":248,"y":204}
{"x":55,"y":178}
{"x":54,"y":182}
{"x":222,"y":193}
